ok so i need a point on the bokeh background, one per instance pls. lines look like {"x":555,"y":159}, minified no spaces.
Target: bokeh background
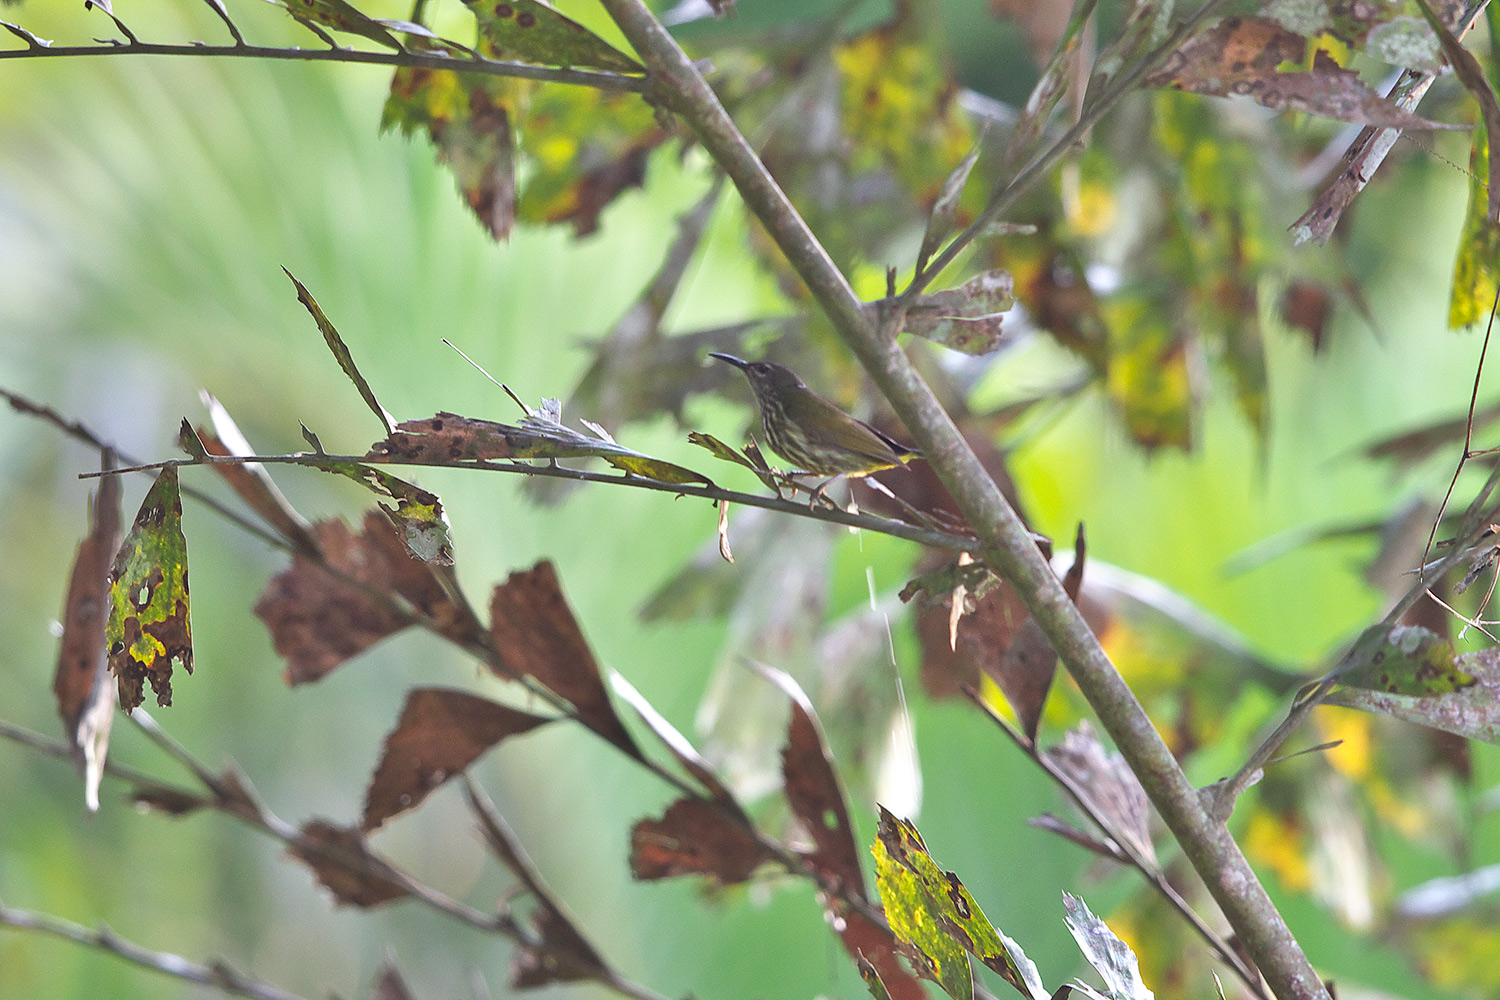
{"x":146,"y":208}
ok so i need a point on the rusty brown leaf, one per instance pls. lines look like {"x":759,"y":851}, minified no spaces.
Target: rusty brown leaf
{"x":344,"y":865}
{"x":536,"y":636}
{"x":695,"y":837}
{"x":440,"y":733}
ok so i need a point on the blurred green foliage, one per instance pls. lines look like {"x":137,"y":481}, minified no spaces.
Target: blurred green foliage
{"x":145,"y":210}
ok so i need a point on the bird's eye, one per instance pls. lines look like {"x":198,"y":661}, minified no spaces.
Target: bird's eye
{"x":760,"y":368}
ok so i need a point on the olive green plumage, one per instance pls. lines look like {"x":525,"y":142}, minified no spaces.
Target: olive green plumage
{"x":809,"y":431}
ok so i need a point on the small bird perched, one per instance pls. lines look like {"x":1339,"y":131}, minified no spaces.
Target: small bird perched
{"x":810,"y":432}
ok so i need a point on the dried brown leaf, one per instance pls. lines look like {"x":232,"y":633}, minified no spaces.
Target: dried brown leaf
{"x":695,"y":837}
{"x":318,"y":619}
{"x":536,"y":636}
{"x":82,"y":685}
{"x":440,"y":733}
{"x":344,"y":865}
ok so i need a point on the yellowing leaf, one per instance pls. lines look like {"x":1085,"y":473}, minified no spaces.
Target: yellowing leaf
{"x":149,"y":627}
{"x":1476,"y":273}
{"x":1148,"y":374}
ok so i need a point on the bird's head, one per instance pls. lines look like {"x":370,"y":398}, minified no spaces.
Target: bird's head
{"x":765,"y":376}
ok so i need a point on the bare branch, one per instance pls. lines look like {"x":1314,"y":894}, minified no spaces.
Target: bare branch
{"x":218,"y":975}
{"x":425,"y":60}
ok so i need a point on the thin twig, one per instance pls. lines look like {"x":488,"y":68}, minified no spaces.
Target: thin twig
{"x":1128,"y":852}
{"x":218,"y":975}
{"x":868,"y":522}
{"x":1007,"y":196}
{"x":598,"y":79}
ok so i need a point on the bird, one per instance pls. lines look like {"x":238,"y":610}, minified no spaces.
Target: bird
{"x":810,"y":432}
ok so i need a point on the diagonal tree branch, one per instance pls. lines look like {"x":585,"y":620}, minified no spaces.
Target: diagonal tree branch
{"x":1008,"y":547}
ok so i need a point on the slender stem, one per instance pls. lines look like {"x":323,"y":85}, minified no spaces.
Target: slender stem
{"x":1128,"y":852}
{"x":217,"y":975}
{"x":599,"y":79}
{"x":1008,"y":547}
{"x":869,"y":522}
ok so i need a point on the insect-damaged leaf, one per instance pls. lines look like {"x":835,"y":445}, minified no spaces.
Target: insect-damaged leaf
{"x":1110,"y":957}
{"x":440,"y":733}
{"x":345,"y":866}
{"x":1241,"y":56}
{"x":966,"y":318}
{"x":1408,"y":660}
{"x":418,"y":517}
{"x":340,"y":15}
{"x":340,"y":351}
{"x":1471,"y":711}
{"x":930,"y":910}
{"x":536,"y":636}
{"x":85,"y":696}
{"x":149,"y":623}
{"x":448,"y":437}
{"x":318,"y":619}
{"x":468,"y":118}
{"x":695,"y":837}
{"x":534,"y":32}
{"x":1393,"y":31}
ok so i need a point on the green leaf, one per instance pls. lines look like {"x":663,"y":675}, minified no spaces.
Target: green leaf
{"x":931,"y":910}
{"x":1409,"y":660}
{"x":340,"y":16}
{"x":534,"y":32}
{"x":340,"y":351}
{"x":1148,"y":373}
{"x":1472,"y":711}
{"x":149,"y":625}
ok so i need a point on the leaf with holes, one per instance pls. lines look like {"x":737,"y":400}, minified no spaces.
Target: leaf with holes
{"x":149,"y":626}
{"x":440,"y":733}
{"x":1408,"y":660}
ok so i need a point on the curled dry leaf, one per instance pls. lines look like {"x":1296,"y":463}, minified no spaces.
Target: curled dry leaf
{"x":695,"y":837}
{"x":560,"y":954}
{"x":1110,"y":957}
{"x":318,"y":619}
{"x":440,"y":733}
{"x":536,"y":635}
{"x":345,"y":866}
{"x":149,"y":626}
{"x":967,"y":318}
{"x":81,"y":685}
